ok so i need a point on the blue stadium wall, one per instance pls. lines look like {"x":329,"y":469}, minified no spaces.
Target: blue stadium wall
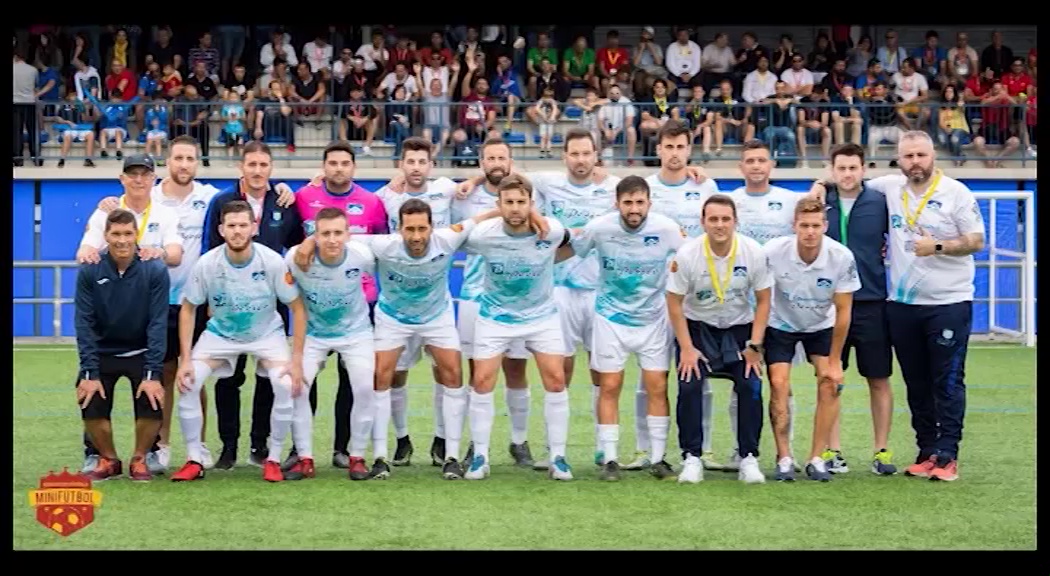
{"x":65,"y":206}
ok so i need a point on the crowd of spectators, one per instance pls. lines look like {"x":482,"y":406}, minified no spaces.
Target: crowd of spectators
{"x":230,"y":84}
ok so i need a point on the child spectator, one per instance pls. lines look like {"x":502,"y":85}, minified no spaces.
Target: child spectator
{"x":233,"y":128}
{"x":157,"y":128}
{"x":545,"y":115}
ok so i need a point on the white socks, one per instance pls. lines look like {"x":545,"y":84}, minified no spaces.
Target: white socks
{"x":641,"y":408}
{"x":361,"y":370}
{"x":453,"y":408}
{"x":191,"y":416}
{"x":281,"y":414}
{"x":734,"y":404}
{"x":482,"y":413}
{"x":556,"y":413}
{"x":382,"y":421}
{"x":707,"y":415}
{"x":399,"y":410}
{"x":518,"y":400}
{"x":303,"y":424}
{"x":609,"y":434}
{"x":439,"y":413}
{"x":658,"y":426}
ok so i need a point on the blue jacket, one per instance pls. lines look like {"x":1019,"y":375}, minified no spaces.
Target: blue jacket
{"x":866,"y":230}
{"x":117,"y":314}
{"x":279,"y":228}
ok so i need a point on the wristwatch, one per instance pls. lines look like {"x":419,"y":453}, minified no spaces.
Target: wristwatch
{"x":938,"y":247}
{"x":755,"y":347}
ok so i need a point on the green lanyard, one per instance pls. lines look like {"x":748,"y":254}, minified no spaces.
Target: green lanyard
{"x":843,"y":221}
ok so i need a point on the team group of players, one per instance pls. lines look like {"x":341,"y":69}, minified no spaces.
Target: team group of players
{"x":665,"y":268}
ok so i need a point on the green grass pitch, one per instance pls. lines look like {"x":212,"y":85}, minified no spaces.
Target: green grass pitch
{"x":992,"y":506}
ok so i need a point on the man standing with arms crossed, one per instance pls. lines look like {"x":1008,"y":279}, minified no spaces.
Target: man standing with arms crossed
{"x":633,"y":246}
{"x":121,"y":317}
{"x":858,"y":219}
{"x":814,"y":281}
{"x":517,"y":303}
{"x":713,"y":280}
{"x":241,"y":281}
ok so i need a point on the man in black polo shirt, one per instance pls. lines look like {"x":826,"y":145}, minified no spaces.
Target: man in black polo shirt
{"x":279,"y":228}
{"x":122,"y":323}
{"x":857,"y":218}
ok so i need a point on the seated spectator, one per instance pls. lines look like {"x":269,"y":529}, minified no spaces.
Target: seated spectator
{"x":814,"y":124}
{"x":822,"y":57}
{"x":931,"y":61}
{"x":74,"y":121}
{"x":404,"y":53}
{"x":892,"y":54}
{"x":838,"y":78}
{"x":847,"y":111}
{"x":996,"y":56}
{"x":799,"y":80}
{"x":545,"y":115}
{"x":399,"y":118}
{"x":506,"y":88}
{"x":280,"y":46}
{"x":425,"y":56}
{"x":308,"y":93}
{"x":207,"y":54}
{"x":435,"y":69}
{"x":123,"y":79}
{"x":548,"y":76}
{"x":883,"y":120}
{"x":280,"y":74}
{"x":962,"y":59}
{"x":171,"y":82}
{"x":113,"y":123}
{"x":234,"y":131}
{"x":533,"y":64}
{"x":591,"y":104}
{"x":274,"y":118}
{"x":683,"y":60}
{"x":614,"y":63}
{"x":162,"y":51}
{"x":345,"y":63}
{"x":859,"y":58}
{"x":577,"y":66}
{"x":747,"y":57}
{"x":913,"y":91}
{"x":731,"y":116}
{"x":375,"y":56}
{"x":358,"y":121}
{"x":873,"y":75}
{"x":975,"y":89}
{"x":123,"y":52}
{"x":477,"y":113}
{"x":778,"y":132}
{"x":654,"y":111}
{"x":717,"y":61}
{"x":189,"y":115}
{"x":435,"y":115}
{"x":244,"y":86}
{"x":204,"y":84}
{"x":318,"y":54}
{"x":701,"y":120}
{"x":781,"y":58}
{"x":997,"y":126}
{"x":399,"y":77}
{"x":954,"y":131}
{"x":760,"y":83}
{"x":156,"y":122}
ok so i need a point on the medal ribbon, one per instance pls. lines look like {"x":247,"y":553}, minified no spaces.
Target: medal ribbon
{"x":720,"y":285}
{"x":145,"y":219}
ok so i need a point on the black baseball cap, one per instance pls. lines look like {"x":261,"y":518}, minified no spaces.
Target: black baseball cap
{"x":139,"y":161}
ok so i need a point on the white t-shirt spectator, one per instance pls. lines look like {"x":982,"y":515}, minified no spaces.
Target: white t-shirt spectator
{"x":717,"y":60}
{"x":616,"y":115}
{"x":797,"y":78}
{"x":319,"y":57}
{"x":86,"y":79}
{"x":758,"y":86}
{"x":368,"y":52}
{"x":390,"y":82}
{"x":267,"y":54}
{"x":683,"y":59}
{"x":442,"y":73}
{"x":908,"y":87}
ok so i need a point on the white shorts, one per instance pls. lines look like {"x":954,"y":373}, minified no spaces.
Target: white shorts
{"x":613,"y":343}
{"x":358,"y":350}
{"x":576,"y":311}
{"x":211,"y":346}
{"x":77,"y":135}
{"x":493,"y":339}
{"x":391,"y":335}
{"x":108,"y":133}
{"x":468,"y":316}
{"x":157,"y":135}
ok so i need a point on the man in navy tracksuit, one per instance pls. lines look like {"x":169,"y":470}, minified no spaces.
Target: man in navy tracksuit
{"x":279,"y":228}
{"x":858,"y":218}
{"x":122,"y":332}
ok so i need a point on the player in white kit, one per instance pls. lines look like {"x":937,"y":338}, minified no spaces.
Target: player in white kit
{"x":517,"y":303}
{"x":337,"y":321}
{"x":241,"y":281}
{"x":633,"y":246}
{"x":814,"y":281}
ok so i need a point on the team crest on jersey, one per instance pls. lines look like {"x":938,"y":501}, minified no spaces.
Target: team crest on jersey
{"x":557,"y":207}
{"x":775,"y":205}
{"x":276,"y":216}
{"x":704,"y":294}
{"x":259,"y":275}
{"x":496,"y":268}
{"x":395,"y":277}
{"x":438,"y":257}
{"x":543,"y":244}
{"x":353,"y":273}
{"x":608,"y":263}
{"x":198,"y":205}
{"x":740,"y":271}
{"x":692,"y":195}
{"x":896,"y":221}
{"x":152,"y":227}
{"x":823,"y":282}
{"x":355,"y":209}
{"x":434,"y":196}
{"x":218,"y":301}
{"x":935,"y":204}
{"x":651,"y":240}
{"x":599,"y":192}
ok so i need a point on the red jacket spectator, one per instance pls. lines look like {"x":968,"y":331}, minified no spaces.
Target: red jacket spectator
{"x":122,"y":78}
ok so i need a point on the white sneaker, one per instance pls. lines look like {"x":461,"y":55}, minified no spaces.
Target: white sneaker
{"x":560,"y":469}
{"x":164,"y":456}
{"x":478,"y":470}
{"x":206,"y":459}
{"x":692,"y":471}
{"x":749,"y":471}
{"x":367,"y":151}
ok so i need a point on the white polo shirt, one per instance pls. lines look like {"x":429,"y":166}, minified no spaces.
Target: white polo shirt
{"x":804,"y":294}
{"x":682,"y":202}
{"x":951,"y":212}
{"x":161,"y":222}
{"x":691,"y":278}
{"x":764,"y":217}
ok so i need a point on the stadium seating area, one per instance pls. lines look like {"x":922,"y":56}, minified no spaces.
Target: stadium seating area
{"x":300,"y":89}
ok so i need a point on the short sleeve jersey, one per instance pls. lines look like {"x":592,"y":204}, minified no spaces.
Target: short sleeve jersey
{"x":804,"y":294}
{"x":335,"y":302}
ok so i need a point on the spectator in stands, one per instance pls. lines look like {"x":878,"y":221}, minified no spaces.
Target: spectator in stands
{"x":577,"y":65}
{"x":234,"y":130}
{"x":1016,"y":80}
{"x":822,"y":57}
{"x":747,"y":57}
{"x":171,"y":82}
{"x":75,"y":122}
{"x":308,"y":93}
{"x":591,"y":104}
{"x":548,"y":76}
{"x":962,"y":59}
{"x":189,"y":115}
{"x":616,"y":117}
{"x":207,"y":54}
{"x":846,"y":111}
{"x":996,"y":56}
{"x":760,"y":83}
{"x":533,"y":64}
{"x":859,"y":58}
{"x":478,"y":112}
{"x":48,"y":86}
{"x":232,"y":39}
{"x":654,"y":111}
{"x":648,"y":63}
{"x":884,"y":121}
{"x":280,"y":73}
{"x":280,"y":46}
{"x":163,"y":51}
{"x":814,"y":123}
{"x":975,"y":89}
{"x":683,"y":60}
{"x":436,"y":110}
{"x":359,"y":118}
{"x":342,"y":67}
{"x":317,"y":53}
{"x":799,"y":80}
{"x":506,"y":88}
{"x":434,"y":69}
{"x":954,"y":131}
{"x":997,"y":126}
{"x":717,"y":61}
{"x":892,"y":53}
{"x":113,"y":124}
{"x":122,"y":51}
{"x":150,"y":81}
{"x":545,"y":114}
{"x":26,"y":125}
{"x":399,"y":77}
{"x":1032,"y":63}
{"x":375,"y":57}
{"x":48,"y":52}
{"x":240,"y":82}
{"x":931,"y":60}
{"x":404,"y":53}
{"x":156,"y":127}
{"x":778,"y":132}
{"x":913,"y":91}
{"x":1031,"y":134}
{"x":202,"y":82}
{"x":701,"y":119}
{"x":120,"y":78}
{"x":399,"y":118}
{"x":614,"y":63}
{"x":731,"y":117}
{"x":274,"y":118}
{"x":873,"y":75}
{"x":781,"y":58}
{"x":838,"y":78}
{"x":437,"y":46}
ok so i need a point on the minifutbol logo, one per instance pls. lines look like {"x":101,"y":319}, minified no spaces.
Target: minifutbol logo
{"x":65,"y":503}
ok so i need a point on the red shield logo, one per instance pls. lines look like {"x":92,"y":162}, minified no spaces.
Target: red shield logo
{"x":65,"y":503}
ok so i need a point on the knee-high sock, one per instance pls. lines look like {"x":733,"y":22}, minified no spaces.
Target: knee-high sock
{"x":596,"y":393}
{"x":399,"y":410}
{"x":281,"y":413}
{"x":382,"y":422}
{"x":610,"y":435}
{"x":734,"y":403}
{"x":482,"y":412}
{"x":518,"y":405}
{"x":439,"y":412}
{"x":556,"y":413}
{"x":303,"y":426}
{"x":641,"y":410}
{"x":191,"y":415}
{"x":658,"y":426}
{"x":453,"y":408}
{"x":708,"y":415}
{"x":363,"y":412}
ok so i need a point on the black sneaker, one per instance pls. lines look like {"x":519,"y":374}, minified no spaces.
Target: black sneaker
{"x":452,"y":470}
{"x":89,"y":163}
{"x":403,"y":454}
{"x":290,"y":461}
{"x":661,"y":470}
{"x":61,"y":163}
{"x":258,"y":457}
{"x":610,"y":472}
{"x":437,"y":452}
{"x":469,"y":456}
{"x":380,"y":470}
{"x":521,"y":454}
{"x":228,"y":459}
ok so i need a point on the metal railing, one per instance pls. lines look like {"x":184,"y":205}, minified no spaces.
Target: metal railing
{"x":382,"y":125}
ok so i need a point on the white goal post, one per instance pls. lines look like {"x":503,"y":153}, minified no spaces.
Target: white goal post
{"x":1006,"y":271}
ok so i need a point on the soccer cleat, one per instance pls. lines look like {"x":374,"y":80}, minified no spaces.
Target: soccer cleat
{"x":749,"y":472}
{"x":403,"y":454}
{"x":662,"y":470}
{"x":479,"y":469}
{"x":206,"y":459}
{"x":272,"y":471}
{"x":610,"y":472}
{"x":469,"y":456}
{"x":709,"y":462}
{"x":452,"y":470}
{"x":560,"y":469}
{"x":163,"y":457}
{"x":437,"y":451}
{"x":692,"y":471}
{"x":599,"y":458}
{"x":228,"y":458}
{"x":922,"y":469}
{"x":380,"y":470}
{"x":358,"y":469}
{"x":106,"y":469}
{"x":732,"y":462}
{"x":341,"y":460}
{"x":641,"y":462}
{"x":882,"y":463}
{"x":817,"y":470}
{"x":258,"y":457}
{"x":153,"y":463}
{"x":303,"y":468}
{"x":785,"y":470}
{"x":834,"y":462}
{"x":90,"y":463}
{"x":290,"y":461}
{"x":541,"y":465}
{"x":945,"y":473}
{"x":189,"y":472}
{"x":521,"y":454}
{"x":139,"y":470}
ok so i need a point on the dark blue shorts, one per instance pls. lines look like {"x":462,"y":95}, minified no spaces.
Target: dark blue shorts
{"x":172,"y":352}
{"x":869,"y":336}
{"x":780,"y":345}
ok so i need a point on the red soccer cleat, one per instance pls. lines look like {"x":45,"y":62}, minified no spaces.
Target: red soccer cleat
{"x":189,"y":472}
{"x":139,"y":471}
{"x":358,"y":469}
{"x":272,"y":471}
{"x":105,"y":469}
{"x":303,"y":468}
